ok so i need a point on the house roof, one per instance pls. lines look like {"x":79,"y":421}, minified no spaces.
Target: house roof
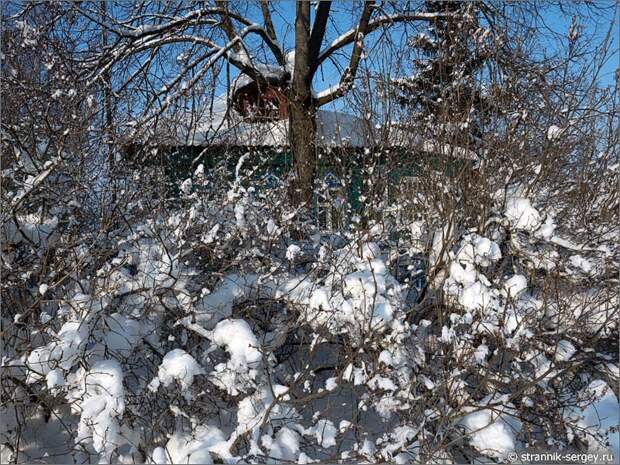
{"x":223,"y":125}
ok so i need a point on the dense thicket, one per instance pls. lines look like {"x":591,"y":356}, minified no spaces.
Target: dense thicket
{"x":450,"y":296}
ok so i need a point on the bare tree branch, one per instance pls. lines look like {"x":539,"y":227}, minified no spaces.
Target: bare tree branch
{"x":347,"y":77}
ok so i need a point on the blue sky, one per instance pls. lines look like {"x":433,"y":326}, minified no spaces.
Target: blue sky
{"x":554,"y":21}
{"x":597,"y":28}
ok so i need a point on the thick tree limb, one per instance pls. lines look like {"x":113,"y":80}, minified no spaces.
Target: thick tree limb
{"x":227,"y":25}
{"x":271,"y":32}
{"x":318,"y":32}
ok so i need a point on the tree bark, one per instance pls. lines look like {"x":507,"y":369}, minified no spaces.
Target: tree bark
{"x":302,"y":111}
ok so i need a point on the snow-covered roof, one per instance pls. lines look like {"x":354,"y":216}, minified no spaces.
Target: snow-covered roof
{"x":223,"y":125}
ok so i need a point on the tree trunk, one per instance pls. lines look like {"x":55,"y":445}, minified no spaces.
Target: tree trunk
{"x":302,"y":112}
{"x":302,"y":141}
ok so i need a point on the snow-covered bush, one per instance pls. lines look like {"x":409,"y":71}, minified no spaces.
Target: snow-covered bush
{"x":178,"y":348}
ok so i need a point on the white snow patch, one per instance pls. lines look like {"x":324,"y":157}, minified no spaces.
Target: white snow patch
{"x":292,"y":252}
{"x":325,"y":433}
{"x":514,"y":286}
{"x":331,"y":384}
{"x":481,"y":353}
{"x":218,"y":305}
{"x":210,"y":236}
{"x":61,"y":353}
{"x":285,"y":446}
{"x":581,"y":263}
{"x":101,"y":405}
{"x":192,"y":448}
{"x":554,"y":132}
{"x":237,"y":338}
{"x":55,"y":378}
{"x":177,"y":365}
{"x":521,"y":214}
{"x":491,"y":432}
